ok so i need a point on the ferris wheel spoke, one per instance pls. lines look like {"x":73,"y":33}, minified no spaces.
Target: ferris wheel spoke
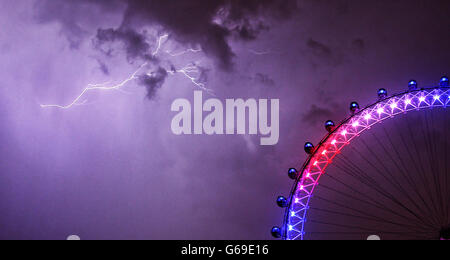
{"x":430,"y":155}
{"x":394,"y":181}
{"x":412,"y":234}
{"x":389,"y":155}
{"x":373,"y":184}
{"x":431,"y":158}
{"x":372,"y":201}
{"x":356,"y":173}
{"x":422,"y":169}
{"x":402,"y":169}
{"x":415,"y":167}
{"x":360,"y":175}
{"x":365,"y":217}
{"x":436,"y":174}
{"x":349,"y":233}
{"x":370,"y":182}
{"x":441,"y":179}
{"x":380,"y":207}
{"x":446,"y":172}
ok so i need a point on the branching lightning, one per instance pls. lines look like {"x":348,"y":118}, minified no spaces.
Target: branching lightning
{"x":186,"y":71}
{"x":92,"y":87}
{"x":159,"y":44}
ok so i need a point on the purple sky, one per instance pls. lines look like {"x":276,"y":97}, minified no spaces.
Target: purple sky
{"x":112,"y":169}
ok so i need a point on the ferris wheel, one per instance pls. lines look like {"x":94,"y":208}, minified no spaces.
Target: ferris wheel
{"x":382,"y":173}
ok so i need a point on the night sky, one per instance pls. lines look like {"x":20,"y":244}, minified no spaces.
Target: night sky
{"x":111,"y":168}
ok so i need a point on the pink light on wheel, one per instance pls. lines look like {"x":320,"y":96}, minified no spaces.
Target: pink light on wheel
{"x":380,"y":110}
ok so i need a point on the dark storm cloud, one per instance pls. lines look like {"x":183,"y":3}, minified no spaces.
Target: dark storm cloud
{"x":135,"y":43}
{"x":103,"y":67}
{"x":264,"y":79}
{"x":323,"y":53}
{"x":153,"y":81}
{"x":316,"y":115}
{"x":319,"y":48}
{"x":359,"y":44}
{"x":195,"y":22}
{"x":326,"y":107}
{"x":248,"y":32}
{"x":207,"y":23}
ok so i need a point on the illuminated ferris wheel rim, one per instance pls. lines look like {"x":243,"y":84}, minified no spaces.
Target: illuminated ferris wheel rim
{"x":340,"y":136}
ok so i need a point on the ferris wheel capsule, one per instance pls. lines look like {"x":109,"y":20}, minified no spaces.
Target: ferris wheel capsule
{"x":309,"y":148}
{"x":329,"y":126}
{"x":382,"y":93}
{"x":444,"y":82}
{"x":412,"y":85}
{"x":354,"y":107}
{"x":282,"y":202}
{"x":293,"y":173}
{"x":276,"y":232}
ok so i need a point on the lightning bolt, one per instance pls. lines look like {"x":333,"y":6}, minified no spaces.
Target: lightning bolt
{"x":159,"y":44}
{"x":187,"y":71}
{"x":184,"y":52}
{"x":93,"y":87}
{"x":259,"y":53}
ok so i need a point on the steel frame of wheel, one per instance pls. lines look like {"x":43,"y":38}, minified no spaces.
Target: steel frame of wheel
{"x":323,"y":155}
